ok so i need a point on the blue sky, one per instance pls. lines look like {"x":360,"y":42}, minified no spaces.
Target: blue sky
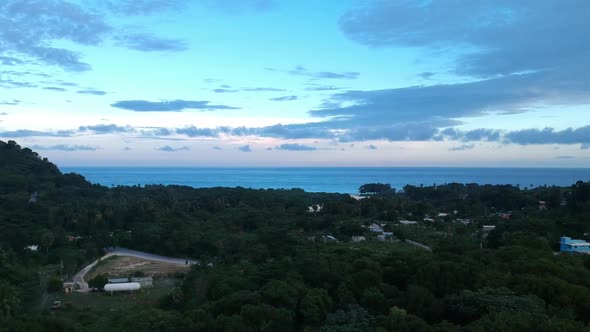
{"x":297,"y":83}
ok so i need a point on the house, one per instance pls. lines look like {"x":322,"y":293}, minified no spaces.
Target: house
{"x":488,"y":228}
{"x":357,"y":238}
{"x":329,"y":238}
{"x":442,"y":215}
{"x":429,"y":219}
{"x":464,"y":221}
{"x":33,"y":247}
{"x":375,"y":228}
{"x":314,"y":208}
{"x":567,"y":244}
{"x":385,"y":236}
{"x":408,"y":222}
{"x":34,"y":197}
{"x":542,"y":205}
{"x":68,"y":287}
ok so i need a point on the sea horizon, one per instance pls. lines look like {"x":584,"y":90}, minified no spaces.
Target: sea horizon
{"x":343,"y":179}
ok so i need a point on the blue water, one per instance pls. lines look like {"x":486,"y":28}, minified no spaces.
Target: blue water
{"x":341,"y":180}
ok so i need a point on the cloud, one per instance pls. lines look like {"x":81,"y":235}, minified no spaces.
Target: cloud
{"x":34,"y":133}
{"x":106,"y":129}
{"x":3,"y":113}
{"x":462,"y":147}
{"x":284,"y":98}
{"x":147,"y":42}
{"x":426,"y":75}
{"x":371,"y":147}
{"x":295,"y":147}
{"x":10,"y":61}
{"x":92,"y":92}
{"x":565,"y":157}
{"x":263,"y":89}
{"x":64,"y":147}
{"x":510,"y":57}
{"x":30,"y":28}
{"x":52,"y":88}
{"x":239,"y":6}
{"x":322,"y":88}
{"x":579,"y":135}
{"x":245,"y":148}
{"x":168,"y":106}
{"x":193,"y":131}
{"x":227,"y":89}
{"x":10,"y":103}
{"x":220,"y":90}
{"x":505,"y":36}
{"x":168,"y":148}
{"x":40,"y":22}
{"x":141,"y":7}
{"x":302,"y":71}
{"x":217,"y":148}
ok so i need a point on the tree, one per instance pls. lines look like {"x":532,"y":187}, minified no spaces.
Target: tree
{"x":47,"y":240}
{"x":9,"y":301}
{"x":355,"y":318}
{"x":99,"y":281}
{"x":377,"y":189}
{"x":54,"y":284}
{"x":315,"y":305}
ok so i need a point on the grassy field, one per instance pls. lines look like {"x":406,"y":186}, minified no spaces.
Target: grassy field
{"x":104,"y":301}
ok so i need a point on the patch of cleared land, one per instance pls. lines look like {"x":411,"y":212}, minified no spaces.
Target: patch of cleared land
{"x":126,"y":265}
{"x":104,"y":301}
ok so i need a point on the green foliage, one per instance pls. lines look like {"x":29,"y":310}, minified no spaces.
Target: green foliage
{"x":54,"y":284}
{"x":99,"y":281}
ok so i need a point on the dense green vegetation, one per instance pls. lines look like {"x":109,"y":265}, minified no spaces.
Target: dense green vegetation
{"x":266,"y":263}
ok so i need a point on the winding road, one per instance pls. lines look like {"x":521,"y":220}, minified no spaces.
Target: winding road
{"x":117,"y":251}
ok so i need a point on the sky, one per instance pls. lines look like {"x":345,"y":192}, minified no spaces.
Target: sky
{"x":297,"y":83}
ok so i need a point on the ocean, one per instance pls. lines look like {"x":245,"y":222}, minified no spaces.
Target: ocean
{"x":327,"y":179}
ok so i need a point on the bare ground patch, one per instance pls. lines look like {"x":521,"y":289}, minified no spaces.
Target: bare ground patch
{"x":126,"y":266}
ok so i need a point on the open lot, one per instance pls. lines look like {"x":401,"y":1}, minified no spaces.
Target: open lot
{"x":127,"y":265}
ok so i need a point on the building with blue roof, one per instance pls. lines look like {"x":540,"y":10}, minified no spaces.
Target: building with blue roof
{"x":567,"y":244}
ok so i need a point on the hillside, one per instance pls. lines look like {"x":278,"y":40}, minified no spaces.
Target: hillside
{"x":270,"y":264}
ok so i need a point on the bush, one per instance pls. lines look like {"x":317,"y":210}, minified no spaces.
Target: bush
{"x":99,"y":281}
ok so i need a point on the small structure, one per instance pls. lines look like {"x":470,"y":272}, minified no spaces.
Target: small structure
{"x":144,"y":281}
{"x":428,"y":219}
{"x":118,"y":280}
{"x":567,"y":244}
{"x":488,"y":228}
{"x":408,"y":222}
{"x":542,"y":205}
{"x":376,"y":228}
{"x":385,"y":236}
{"x":464,"y":221}
{"x":68,"y":287}
{"x":33,"y":247}
{"x":122,"y":287}
{"x":34,"y":197}
{"x":314,"y":208}
{"x":358,"y":238}
{"x":329,"y":238}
